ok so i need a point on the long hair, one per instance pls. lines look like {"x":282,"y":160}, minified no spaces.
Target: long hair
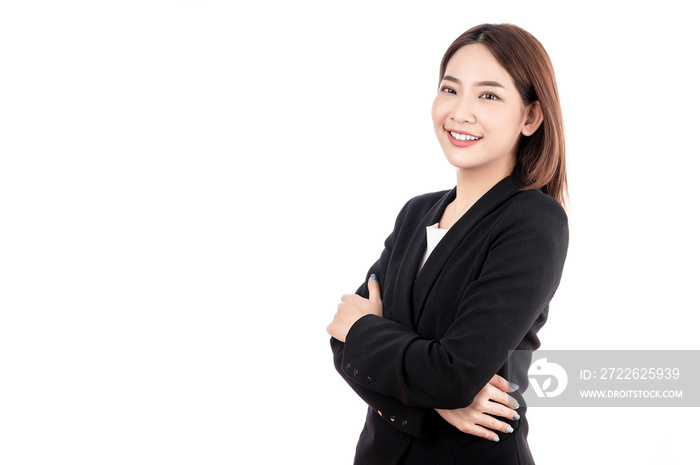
{"x":540,"y":158}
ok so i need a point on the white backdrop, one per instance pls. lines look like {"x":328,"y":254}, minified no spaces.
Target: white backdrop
{"x":187,"y":188}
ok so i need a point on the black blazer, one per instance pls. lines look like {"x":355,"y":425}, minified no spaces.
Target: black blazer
{"x":483,"y":292}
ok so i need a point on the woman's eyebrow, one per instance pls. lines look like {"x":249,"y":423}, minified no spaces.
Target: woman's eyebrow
{"x":447,"y":77}
{"x":489,"y":84}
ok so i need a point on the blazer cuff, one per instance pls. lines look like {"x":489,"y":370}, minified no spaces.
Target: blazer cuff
{"x":415,"y":421}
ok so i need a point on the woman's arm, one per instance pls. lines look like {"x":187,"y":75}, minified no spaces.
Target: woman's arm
{"x":479,"y":418}
{"x":517,"y":281}
{"x":416,"y":421}
{"x":492,"y":401}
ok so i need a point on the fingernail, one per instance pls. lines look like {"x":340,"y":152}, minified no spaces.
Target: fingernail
{"x":514,"y":386}
{"x":516,"y":417}
{"x":495,"y":439}
{"x":373,"y":277}
{"x":509,"y":430}
{"x":512,"y":402}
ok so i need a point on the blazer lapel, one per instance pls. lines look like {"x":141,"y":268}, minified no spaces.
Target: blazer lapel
{"x":432,"y":268}
{"x":408,"y":269}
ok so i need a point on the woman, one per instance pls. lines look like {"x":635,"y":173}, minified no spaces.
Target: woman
{"x":466,"y":276}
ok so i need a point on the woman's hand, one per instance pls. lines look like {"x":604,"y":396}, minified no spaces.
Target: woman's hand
{"x":352,"y":307}
{"x":492,"y":399}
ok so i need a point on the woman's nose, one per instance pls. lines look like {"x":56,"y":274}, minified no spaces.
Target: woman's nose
{"x":462,"y":113}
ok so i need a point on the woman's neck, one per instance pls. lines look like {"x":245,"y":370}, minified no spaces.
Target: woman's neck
{"x":471,"y":186}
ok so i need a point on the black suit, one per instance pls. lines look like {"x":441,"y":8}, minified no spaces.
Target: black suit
{"x":484,"y":291}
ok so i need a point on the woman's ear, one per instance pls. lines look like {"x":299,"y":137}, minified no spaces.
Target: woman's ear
{"x":533,"y":118}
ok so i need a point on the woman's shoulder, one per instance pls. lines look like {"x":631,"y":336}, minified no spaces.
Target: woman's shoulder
{"x":428,"y":199}
{"x":417,"y":207}
{"x":537,"y":205}
{"x":421,"y":204}
{"x":536,"y":213}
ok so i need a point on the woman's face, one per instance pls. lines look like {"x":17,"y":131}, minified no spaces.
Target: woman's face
{"x":478,"y":113}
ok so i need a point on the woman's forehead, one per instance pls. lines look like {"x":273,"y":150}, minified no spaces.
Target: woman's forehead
{"x":475,"y":63}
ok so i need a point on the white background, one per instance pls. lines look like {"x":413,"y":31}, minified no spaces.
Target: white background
{"x":187,"y":188}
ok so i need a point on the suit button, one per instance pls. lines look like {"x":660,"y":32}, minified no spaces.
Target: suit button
{"x":368,"y":380}
{"x":355,"y":372}
{"x":347,"y":367}
{"x":404,"y":423}
{"x":379,"y":412}
{"x":392,"y":418}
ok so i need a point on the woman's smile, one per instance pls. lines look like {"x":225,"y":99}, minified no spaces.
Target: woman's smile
{"x":461,"y":138}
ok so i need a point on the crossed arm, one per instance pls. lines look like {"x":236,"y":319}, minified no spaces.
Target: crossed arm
{"x":478,"y":418}
{"x":453,"y":376}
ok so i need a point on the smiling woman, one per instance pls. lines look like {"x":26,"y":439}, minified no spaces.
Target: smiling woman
{"x":425,"y":342}
{"x":541,"y":157}
{"x":479,"y":106}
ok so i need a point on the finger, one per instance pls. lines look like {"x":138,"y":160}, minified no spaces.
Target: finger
{"x":343,"y":297}
{"x":503,"y":384}
{"x":496,"y":395}
{"x":494,"y":424}
{"x":480,"y":431}
{"x":375,"y":295}
{"x":499,"y":410}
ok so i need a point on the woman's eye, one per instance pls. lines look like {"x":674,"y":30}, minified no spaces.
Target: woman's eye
{"x":447,"y":90}
{"x":489,"y":96}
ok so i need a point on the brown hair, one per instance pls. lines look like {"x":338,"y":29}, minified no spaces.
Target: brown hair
{"x":541,"y":157}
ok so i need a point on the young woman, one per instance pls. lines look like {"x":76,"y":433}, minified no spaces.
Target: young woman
{"x":466,"y":276}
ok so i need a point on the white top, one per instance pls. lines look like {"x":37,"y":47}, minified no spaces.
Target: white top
{"x":433,"y":236}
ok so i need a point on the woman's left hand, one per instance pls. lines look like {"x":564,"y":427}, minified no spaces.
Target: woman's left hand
{"x":479,"y":418}
{"x":352,"y":307}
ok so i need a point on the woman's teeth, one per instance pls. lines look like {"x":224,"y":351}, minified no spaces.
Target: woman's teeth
{"x":463,"y":136}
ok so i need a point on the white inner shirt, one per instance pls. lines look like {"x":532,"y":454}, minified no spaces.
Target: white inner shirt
{"x":433,"y":236}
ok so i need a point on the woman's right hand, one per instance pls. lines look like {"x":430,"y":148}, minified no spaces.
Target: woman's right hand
{"x":493,"y":400}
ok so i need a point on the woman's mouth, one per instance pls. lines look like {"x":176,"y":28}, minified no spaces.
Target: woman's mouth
{"x":460,"y":136}
{"x":460,"y":139}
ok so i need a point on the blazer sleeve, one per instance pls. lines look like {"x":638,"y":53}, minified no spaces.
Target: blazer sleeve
{"x":416,"y":421}
{"x":518,"y":279}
